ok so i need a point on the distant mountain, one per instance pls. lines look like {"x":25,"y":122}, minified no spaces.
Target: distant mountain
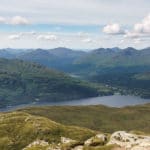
{"x":12,"y":53}
{"x":23,"y":83}
{"x":4,"y":53}
{"x":108,"y":58}
{"x":77,"y":62}
{"x":65,"y":52}
{"x":58,"y":58}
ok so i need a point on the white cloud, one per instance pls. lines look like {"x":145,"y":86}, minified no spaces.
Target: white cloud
{"x":82,"y":34}
{"x":2,"y":20}
{"x":47,"y":37}
{"x":87,"y":40}
{"x":137,"y":41}
{"x":113,"y":29}
{"x":69,"y":11}
{"x":18,"y":20}
{"x":144,"y":26}
{"x":140,"y":30}
{"x":14,"y":37}
{"x":30,"y":33}
{"x":132,"y":35}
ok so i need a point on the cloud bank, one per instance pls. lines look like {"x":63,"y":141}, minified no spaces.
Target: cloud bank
{"x":16,"y":20}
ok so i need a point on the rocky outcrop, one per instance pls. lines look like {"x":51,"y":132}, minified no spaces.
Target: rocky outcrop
{"x":99,"y":139}
{"x":119,"y":140}
{"x":65,"y":140}
{"x":130,"y":141}
{"x":41,"y":143}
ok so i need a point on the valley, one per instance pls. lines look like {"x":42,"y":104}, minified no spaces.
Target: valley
{"x":74,"y":74}
{"x":96,"y":100}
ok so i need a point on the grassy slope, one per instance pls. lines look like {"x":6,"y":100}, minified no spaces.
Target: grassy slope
{"x":23,"y":82}
{"x":17,"y":130}
{"x":101,"y":118}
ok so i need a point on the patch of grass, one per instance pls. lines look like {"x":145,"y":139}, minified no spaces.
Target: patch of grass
{"x":100,"y":118}
{"x":106,"y":147}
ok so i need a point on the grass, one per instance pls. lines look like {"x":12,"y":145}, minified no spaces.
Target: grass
{"x":101,"y":118}
{"x":106,"y":147}
{"x":19,"y":129}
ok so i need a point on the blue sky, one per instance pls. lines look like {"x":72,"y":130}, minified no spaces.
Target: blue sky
{"x":78,"y":24}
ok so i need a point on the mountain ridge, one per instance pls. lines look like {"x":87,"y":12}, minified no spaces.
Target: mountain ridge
{"x":26,"y":82}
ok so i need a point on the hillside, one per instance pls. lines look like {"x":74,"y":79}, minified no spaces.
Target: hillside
{"x":102,"y":118}
{"x":125,"y":80}
{"x":105,"y":58}
{"x":18,"y":130}
{"x":23,"y":83}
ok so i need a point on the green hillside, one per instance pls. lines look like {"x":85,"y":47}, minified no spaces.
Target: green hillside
{"x":102,"y":118}
{"x":18,"y":130}
{"x":33,"y":128}
{"x":23,"y":82}
{"x":108,"y":58}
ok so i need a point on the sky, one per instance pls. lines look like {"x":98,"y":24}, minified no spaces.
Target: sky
{"x":77,"y":24}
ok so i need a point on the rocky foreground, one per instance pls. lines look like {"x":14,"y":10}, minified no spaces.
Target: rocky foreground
{"x":119,"y":140}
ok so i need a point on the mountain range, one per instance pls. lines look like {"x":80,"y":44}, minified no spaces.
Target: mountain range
{"x":114,"y":67}
{"x":82,"y":62}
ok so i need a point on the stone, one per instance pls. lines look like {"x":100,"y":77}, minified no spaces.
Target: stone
{"x":130,"y":141}
{"x":99,"y":139}
{"x":67,"y":140}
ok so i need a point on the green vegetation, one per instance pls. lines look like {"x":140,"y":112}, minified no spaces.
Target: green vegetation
{"x":117,"y":68}
{"x":18,"y":130}
{"x":106,"y":147}
{"x":23,"y":83}
{"x":122,"y":70}
{"x":101,"y":118}
{"x":129,"y":80}
{"x":33,"y":128}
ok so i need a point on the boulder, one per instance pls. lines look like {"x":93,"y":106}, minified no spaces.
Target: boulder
{"x":65,"y":140}
{"x":78,"y":148}
{"x":130,"y":141}
{"x":99,"y":139}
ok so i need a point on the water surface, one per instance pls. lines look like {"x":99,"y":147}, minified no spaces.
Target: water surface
{"x":113,"y":101}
